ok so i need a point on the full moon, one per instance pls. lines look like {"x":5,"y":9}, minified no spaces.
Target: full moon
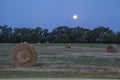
{"x":75,"y":17}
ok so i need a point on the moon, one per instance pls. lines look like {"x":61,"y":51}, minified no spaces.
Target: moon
{"x":75,"y":16}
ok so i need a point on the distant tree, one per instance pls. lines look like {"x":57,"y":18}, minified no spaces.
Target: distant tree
{"x":62,"y":38}
{"x":39,"y":32}
{"x":117,"y":37}
{"x":110,"y":38}
{"x":16,"y":36}
{"x":59,"y":31}
{"x":25,"y":32}
{"x":98,"y":34}
{"x":0,"y":32}
{"x":79,"y":34}
{"x":61,"y":34}
{"x":5,"y":33}
{"x":45,"y":35}
{"x":34,"y":37}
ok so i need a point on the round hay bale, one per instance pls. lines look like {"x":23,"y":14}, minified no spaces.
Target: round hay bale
{"x":38,"y":43}
{"x":47,"y":42}
{"x":68,"y":46}
{"x":23,"y":55}
{"x":112,"y":48}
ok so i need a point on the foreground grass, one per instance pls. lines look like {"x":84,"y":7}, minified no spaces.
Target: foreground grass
{"x":82,"y":60}
{"x":54,"y":58}
{"x":7,"y":74}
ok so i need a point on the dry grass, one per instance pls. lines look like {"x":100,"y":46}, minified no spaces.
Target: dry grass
{"x":23,"y":55}
{"x":55,"y":58}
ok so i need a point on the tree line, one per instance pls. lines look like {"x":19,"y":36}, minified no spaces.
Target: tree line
{"x":61,"y":34}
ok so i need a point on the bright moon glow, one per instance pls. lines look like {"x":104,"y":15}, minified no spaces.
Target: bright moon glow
{"x":75,"y":17}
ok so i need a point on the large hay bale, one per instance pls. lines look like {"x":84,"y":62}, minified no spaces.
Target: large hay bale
{"x":112,"y":48}
{"x":23,"y":55}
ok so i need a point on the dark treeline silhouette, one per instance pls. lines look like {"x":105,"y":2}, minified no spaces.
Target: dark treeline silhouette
{"x":61,"y":34}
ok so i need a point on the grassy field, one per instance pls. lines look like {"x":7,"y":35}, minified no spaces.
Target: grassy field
{"x":12,"y":74}
{"x":54,"y":60}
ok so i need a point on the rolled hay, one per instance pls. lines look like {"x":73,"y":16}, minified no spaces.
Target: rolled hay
{"x":38,"y":43}
{"x":23,"y":55}
{"x":68,"y":46}
{"x":47,"y":42}
{"x":112,"y":48}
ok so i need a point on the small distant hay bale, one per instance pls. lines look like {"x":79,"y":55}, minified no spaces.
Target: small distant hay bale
{"x":25,"y":42}
{"x":23,"y":55}
{"x":38,"y":43}
{"x":68,"y":46}
{"x":112,"y":48}
{"x":47,"y":42}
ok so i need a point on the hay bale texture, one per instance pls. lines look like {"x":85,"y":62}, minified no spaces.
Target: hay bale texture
{"x":23,"y":55}
{"x":112,"y":48}
{"x":68,"y":46}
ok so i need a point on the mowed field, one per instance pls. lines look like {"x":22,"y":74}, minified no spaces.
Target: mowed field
{"x":54,"y":60}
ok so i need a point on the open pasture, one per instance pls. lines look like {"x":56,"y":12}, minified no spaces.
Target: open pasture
{"x":86,"y":58}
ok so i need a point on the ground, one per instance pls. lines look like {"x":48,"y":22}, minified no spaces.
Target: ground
{"x":55,"y":58}
{"x":54,"y":79}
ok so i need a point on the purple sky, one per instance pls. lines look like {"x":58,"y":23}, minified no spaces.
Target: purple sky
{"x":53,"y":13}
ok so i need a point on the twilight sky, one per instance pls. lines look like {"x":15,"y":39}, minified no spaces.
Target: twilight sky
{"x":53,"y":13}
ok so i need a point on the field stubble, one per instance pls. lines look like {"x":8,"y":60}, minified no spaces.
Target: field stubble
{"x":55,"y":58}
